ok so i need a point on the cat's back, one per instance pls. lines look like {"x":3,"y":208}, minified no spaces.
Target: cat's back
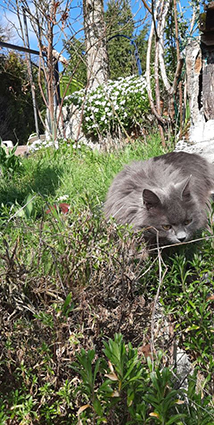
{"x":185,"y":163}
{"x":161,"y":170}
{"x":182,"y":164}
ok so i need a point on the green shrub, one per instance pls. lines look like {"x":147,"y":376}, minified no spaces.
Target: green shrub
{"x":119,"y":104}
{"x":123,"y":388}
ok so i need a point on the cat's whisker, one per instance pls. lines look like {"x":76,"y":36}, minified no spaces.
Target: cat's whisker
{"x":205,"y":238}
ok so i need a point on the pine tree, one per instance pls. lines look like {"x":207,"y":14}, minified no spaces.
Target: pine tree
{"x":120,"y":22}
{"x":141,"y":41}
{"x":77,"y":62}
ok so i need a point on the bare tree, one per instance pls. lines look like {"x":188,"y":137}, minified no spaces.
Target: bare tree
{"x":48,"y":20}
{"x":173,"y":88}
{"x":51,"y":21}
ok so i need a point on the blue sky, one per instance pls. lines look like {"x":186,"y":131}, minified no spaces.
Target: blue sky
{"x":75,"y":19}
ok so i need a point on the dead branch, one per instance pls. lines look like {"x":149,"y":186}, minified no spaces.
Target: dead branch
{"x":146,"y":6}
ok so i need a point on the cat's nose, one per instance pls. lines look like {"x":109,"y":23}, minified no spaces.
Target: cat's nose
{"x":182,"y":238}
{"x":181,"y":235}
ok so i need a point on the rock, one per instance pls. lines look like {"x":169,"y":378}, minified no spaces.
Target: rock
{"x":202,"y":146}
{"x":20,"y":150}
{"x":34,"y":143}
{"x":7,"y":143}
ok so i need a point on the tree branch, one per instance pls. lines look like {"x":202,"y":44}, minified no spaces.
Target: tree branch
{"x":146,"y":6}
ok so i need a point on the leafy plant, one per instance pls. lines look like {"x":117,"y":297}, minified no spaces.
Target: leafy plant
{"x":27,"y":211}
{"x":200,"y":406}
{"x":129,"y":391}
{"x":163,"y":397}
{"x":9,"y":162}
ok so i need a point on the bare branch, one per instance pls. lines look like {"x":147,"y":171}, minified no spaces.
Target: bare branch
{"x":146,"y":6}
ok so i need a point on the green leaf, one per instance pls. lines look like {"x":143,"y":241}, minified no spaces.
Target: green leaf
{"x":174,"y":419}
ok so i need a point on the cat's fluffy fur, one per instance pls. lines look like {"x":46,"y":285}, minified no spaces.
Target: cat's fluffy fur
{"x":166,"y":195}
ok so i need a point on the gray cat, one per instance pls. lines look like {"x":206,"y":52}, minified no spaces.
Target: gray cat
{"x":167,"y":195}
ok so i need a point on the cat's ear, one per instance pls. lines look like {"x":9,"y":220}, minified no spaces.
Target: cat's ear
{"x":150,"y":199}
{"x":184,"y":188}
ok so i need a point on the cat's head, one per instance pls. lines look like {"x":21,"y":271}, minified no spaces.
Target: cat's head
{"x":174,"y":215}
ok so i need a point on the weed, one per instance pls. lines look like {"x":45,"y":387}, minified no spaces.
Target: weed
{"x":9,"y":162}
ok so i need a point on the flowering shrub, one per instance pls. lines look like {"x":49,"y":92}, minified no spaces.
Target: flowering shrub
{"x":118,"y":104}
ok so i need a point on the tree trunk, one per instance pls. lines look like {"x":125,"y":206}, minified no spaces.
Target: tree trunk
{"x":95,"y":40}
{"x":200,"y":83}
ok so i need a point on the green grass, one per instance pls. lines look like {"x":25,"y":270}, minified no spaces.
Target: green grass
{"x":79,"y":174}
{"x":72,"y":285}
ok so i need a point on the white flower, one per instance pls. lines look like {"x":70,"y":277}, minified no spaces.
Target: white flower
{"x":62,"y":198}
{"x":93,"y":109}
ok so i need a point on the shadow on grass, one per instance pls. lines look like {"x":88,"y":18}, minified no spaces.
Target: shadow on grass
{"x":42,"y":180}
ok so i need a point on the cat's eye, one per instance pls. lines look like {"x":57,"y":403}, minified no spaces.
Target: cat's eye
{"x":166,"y":226}
{"x":187,"y":222}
